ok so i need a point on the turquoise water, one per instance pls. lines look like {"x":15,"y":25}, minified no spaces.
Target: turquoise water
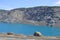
{"x":29,"y":29}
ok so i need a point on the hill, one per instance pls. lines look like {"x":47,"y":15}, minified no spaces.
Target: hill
{"x":41,"y":15}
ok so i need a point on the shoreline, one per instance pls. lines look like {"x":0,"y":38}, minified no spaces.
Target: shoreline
{"x":23,"y":37}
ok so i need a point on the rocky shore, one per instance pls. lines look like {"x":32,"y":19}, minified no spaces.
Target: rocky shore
{"x":24,"y":37}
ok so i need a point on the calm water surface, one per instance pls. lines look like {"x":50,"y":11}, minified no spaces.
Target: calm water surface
{"x":29,"y":29}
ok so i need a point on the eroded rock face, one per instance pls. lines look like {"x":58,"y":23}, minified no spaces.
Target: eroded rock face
{"x":36,"y":15}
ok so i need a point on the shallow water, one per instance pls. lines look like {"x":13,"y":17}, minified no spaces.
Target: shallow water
{"x":29,"y":29}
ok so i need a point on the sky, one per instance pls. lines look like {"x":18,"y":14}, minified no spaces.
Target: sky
{"x":11,"y":4}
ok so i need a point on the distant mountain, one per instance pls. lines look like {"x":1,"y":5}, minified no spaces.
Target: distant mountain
{"x":42,"y":15}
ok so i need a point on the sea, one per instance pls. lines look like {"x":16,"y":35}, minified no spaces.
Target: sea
{"x":28,"y":29}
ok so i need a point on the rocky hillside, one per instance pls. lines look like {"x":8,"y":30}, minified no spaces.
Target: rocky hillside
{"x":42,"y":15}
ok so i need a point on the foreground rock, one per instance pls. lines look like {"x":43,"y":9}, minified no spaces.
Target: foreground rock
{"x":38,"y":34}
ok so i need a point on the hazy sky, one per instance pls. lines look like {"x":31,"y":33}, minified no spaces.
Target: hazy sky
{"x":10,"y":4}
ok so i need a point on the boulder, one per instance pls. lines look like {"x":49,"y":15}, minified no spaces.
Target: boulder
{"x":10,"y":33}
{"x":37,"y":34}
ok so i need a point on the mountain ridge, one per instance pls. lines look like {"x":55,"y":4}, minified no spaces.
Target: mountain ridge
{"x":42,"y":15}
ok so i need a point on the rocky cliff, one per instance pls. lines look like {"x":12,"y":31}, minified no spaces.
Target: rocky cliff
{"x":42,"y":15}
